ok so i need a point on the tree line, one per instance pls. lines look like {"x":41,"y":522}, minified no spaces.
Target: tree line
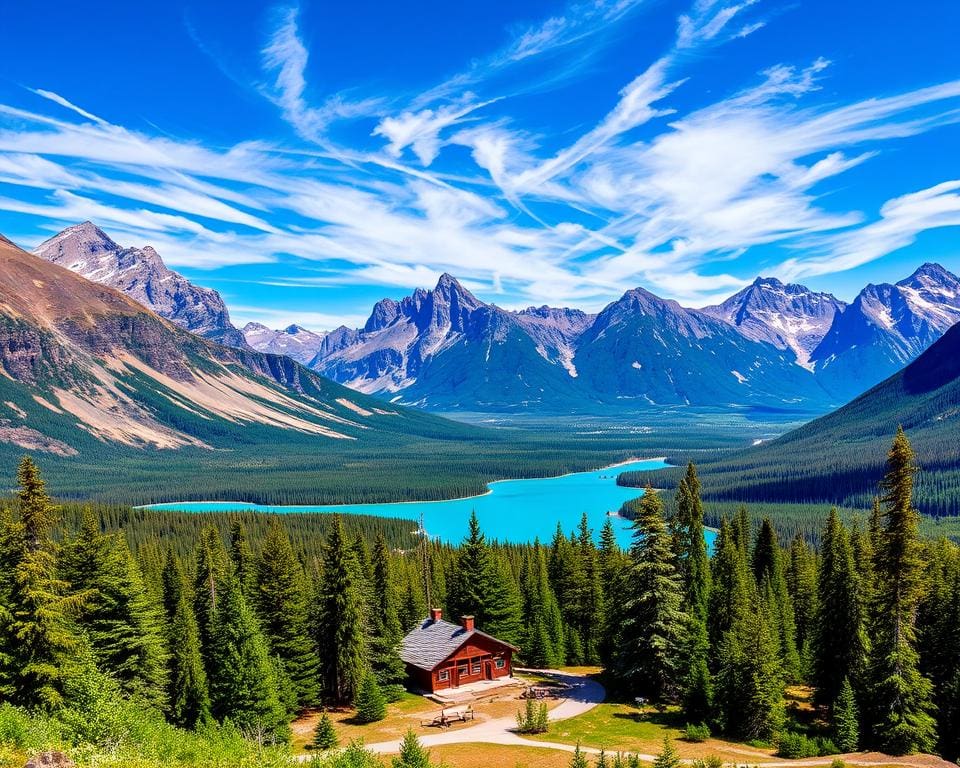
{"x":245,"y":622}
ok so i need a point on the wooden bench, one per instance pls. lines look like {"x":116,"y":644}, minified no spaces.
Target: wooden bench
{"x":448,"y":717}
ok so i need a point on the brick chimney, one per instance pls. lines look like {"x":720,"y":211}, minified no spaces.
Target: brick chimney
{"x":436,"y":614}
{"x":467,"y":623}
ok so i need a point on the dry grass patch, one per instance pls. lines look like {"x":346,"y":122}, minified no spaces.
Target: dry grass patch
{"x":498,"y":756}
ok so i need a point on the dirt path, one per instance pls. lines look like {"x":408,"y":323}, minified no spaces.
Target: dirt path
{"x":585,"y":694}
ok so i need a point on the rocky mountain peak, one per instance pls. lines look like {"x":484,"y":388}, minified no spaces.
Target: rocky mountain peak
{"x":141,"y":274}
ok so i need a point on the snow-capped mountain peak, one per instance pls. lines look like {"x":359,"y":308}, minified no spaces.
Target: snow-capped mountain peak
{"x":786,"y":315}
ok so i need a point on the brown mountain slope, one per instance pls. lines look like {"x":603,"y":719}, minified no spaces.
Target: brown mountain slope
{"x":123,"y":374}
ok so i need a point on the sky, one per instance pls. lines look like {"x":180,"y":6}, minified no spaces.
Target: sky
{"x":307,"y":159}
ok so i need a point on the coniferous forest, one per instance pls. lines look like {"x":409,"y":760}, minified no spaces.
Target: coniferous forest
{"x":195,"y":639}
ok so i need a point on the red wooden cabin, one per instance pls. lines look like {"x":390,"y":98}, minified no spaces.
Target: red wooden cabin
{"x":442,"y":655}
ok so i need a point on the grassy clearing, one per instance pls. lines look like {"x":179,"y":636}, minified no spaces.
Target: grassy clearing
{"x":625,"y":728}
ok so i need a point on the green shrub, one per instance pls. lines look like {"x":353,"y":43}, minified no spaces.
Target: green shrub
{"x":696,"y":733}
{"x":798,"y":745}
{"x":838,"y":763}
{"x":710,"y":761}
{"x":393,"y":692}
{"x":354,"y":756}
{"x":533,"y":718}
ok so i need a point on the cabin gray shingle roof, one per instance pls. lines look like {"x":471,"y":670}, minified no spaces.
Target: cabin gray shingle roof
{"x":432,"y":641}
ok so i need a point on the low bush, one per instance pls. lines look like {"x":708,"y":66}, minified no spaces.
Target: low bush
{"x":393,"y":692}
{"x":533,"y":718}
{"x":696,"y":733}
{"x":798,"y":745}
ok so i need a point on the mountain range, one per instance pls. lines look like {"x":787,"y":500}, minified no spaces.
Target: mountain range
{"x":771,"y":345}
{"x":84,"y":364}
{"x":839,"y":458}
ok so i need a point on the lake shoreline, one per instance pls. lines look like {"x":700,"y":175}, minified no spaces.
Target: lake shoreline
{"x":253,"y":506}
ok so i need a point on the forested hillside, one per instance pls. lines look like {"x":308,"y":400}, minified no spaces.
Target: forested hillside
{"x":118,"y":624}
{"x":836,"y":458}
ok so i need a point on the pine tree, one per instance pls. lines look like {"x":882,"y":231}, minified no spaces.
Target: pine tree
{"x":693,"y":566}
{"x":211,"y":568}
{"x":769,"y":574}
{"x":504,"y":604}
{"x":590,"y":600}
{"x":693,"y":563}
{"x":243,"y":682}
{"x":412,"y":754}
{"x":188,"y":694}
{"x":900,"y":697}
{"x":730,"y":588}
{"x":579,"y":760}
{"x":648,"y":657}
{"x":846,"y":719}
{"x":281,"y":602}
{"x":471,"y":580}
{"x":37,"y":633}
{"x":342,"y":631}
{"x":668,"y":757}
{"x":370,"y":703}
{"x":241,"y":556}
{"x":802,"y":583}
{"x":125,"y":625}
{"x":324,"y":735}
{"x":749,"y":686}
{"x":839,"y":638}
{"x":385,"y":630}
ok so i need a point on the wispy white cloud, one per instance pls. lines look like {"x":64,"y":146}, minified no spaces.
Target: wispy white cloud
{"x":901,"y":220}
{"x":285,"y":59}
{"x":645,"y":193}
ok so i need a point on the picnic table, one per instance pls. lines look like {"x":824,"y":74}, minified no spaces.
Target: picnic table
{"x":448,"y":717}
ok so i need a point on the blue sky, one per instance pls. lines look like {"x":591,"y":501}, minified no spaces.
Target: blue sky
{"x":308,"y":159}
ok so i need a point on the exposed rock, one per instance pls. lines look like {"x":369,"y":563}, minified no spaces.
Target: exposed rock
{"x":141,"y":274}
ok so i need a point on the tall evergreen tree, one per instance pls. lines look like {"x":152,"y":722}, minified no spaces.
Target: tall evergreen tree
{"x":749,"y":683}
{"x":649,"y":647}
{"x":210,"y":571}
{"x":693,"y":566}
{"x":124,"y":623}
{"x":769,"y":574}
{"x":37,"y":632}
{"x":505,"y":605}
{"x":730,"y":588}
{"x":281,"y":602}
{"x":589,"y":621}
{"x":188,"y":694}
{"x":243,"y":681}
{"x":693,"y":563}
{"x":384,"y":622}
{"x":241,"y":556}
{"x":900,"y":697}
{"x":471,"y":581}
{"x":802,"y":583}
{"x":342,"y":631}
{"x":840,"y":643}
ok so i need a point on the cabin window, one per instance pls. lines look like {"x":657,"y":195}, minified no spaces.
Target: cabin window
{"x":444,"y":675}
{"x":475,"y":667}
{"x":501,"y":663}
{"x":462,"y":668}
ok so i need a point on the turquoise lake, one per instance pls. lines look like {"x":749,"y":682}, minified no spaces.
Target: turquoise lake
{"x":513,"y":510}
